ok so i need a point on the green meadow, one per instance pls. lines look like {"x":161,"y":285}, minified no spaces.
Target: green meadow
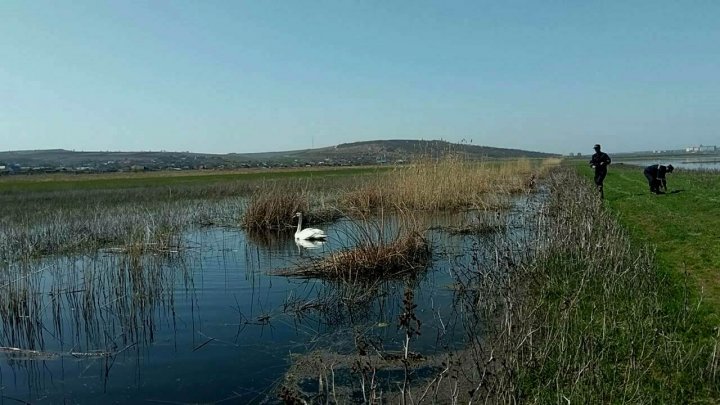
{"x":60,"y":182}
{"x":683,"y":225}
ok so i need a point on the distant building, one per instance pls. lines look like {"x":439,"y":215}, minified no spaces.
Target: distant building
{"x":701,"y":149}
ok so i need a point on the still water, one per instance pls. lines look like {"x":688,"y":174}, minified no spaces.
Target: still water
{"x":210,"y":323}
{"x":687,"y":164}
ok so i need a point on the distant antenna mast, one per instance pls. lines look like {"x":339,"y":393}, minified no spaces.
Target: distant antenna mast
{"x":312,"y":141}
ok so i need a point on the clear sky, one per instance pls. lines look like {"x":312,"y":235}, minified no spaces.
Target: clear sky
{"x":253,"y":76}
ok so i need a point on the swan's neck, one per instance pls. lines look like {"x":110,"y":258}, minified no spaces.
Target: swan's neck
{"x":299,"y":228}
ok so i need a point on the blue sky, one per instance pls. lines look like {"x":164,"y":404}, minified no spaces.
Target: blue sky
{"x":220,"y":77}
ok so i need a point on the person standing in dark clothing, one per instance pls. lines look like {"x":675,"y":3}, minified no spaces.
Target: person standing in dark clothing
{"x":600,"y":161}
{"x":655,"y":174}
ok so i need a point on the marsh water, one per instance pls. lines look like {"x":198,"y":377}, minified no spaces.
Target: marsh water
{"x":211,"y":322}
{"x":712,"y":163}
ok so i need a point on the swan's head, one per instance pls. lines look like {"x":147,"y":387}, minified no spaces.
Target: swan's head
{"x":298,"y":214}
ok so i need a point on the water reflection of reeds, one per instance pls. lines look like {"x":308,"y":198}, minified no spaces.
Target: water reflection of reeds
{"x":86,"y":306}
{"x":432,"y":355}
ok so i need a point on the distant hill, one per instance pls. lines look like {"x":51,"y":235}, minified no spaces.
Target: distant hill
{"x":414,"y":147}
{"x":62,"y":157}
{"x":391,"y":150}
{"x":355,"y":153}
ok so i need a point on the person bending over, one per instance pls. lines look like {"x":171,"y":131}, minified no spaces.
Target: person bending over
{"x":600,"y":161}
{"x":655,"y":175}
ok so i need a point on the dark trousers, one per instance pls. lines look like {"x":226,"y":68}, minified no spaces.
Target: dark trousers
{"x":652,"y":182}
{"x":600,"y":177}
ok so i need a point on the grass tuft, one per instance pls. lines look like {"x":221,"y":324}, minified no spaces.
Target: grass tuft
{"x":374,"y":253}
{"x":273,"y":207}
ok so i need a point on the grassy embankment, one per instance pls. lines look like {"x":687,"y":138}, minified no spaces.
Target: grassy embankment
{"x":594,"y":318}
{"x":683,"y":225}
{"x":613,"y":323}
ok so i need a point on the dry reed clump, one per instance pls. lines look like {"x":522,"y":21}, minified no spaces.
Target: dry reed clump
{"x":370,"y":261}
{"x":448,"y":183}
{"x":548,"y":165}
{"x":377,"y":248}
{"x":363,"y":200}
{"x":273,"y":207}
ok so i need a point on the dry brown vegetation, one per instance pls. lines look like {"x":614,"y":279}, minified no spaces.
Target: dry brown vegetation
{"x":376,"y":250}
{"x":451,"y":183}
{"x":273,"y":207}
{"x":370,"y":261}
{"x":42,"y":221}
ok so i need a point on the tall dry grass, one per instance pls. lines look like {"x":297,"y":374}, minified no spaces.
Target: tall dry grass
{"x":273,"y":205}
{"x":449,"y":183}
{"x":375,"y":250}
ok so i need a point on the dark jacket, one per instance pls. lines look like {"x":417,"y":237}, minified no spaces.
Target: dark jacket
{"x":600,"y":161}
{"x":656,"y":171}
{"x":656,"y":177}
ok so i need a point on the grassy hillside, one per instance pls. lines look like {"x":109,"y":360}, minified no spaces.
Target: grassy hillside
{"x":415,"y":147}
{"x":369,"y":152}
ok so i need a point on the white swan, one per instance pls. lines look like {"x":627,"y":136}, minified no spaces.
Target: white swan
{"x":309,"y":244}
{"x":309,"y":233}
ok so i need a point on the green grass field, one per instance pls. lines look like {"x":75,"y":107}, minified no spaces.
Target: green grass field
{"x":683,"y":225}
{"x":59,"y":182}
